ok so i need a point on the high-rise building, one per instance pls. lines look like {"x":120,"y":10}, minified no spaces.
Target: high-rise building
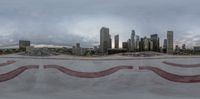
{"x":146,"y":44}
{"x":105,"y":40}
{"x":116,"y":41}
{"x":129,"y":44}
{"x":155,"y":40}
{"x":137,"y":43}
{"x":151,"y":43}
{"x":141,"y":44}
{"x":170,"y":42}
{"x":132,"y":41}
{"x":165,"y":44}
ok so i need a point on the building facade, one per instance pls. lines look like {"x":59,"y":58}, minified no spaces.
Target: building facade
{"x":141,"y":44}
{"x":170,"y":42}
{"x":165,"y":44}
{"x":156,"y":45}
{"x":146,"y":44}
{"x":116,"y":41}
{"x":110,"y":42}
{"x":125,"y":45}
{"x":129,"y":44}
{"x":137,"y":43}
{"x":23,"y":44}
{"x":78,"y":50}
{"x":132,"y":47}
{"x":105,"y":40}
{"x":196,"y":48}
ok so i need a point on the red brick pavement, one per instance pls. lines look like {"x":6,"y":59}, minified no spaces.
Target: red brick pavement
{"x":88,"y":74}
{"x":172,"y":77}
{"x":12,"y":74}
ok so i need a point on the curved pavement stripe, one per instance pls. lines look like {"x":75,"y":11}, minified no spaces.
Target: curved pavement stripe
{"x":7,"y":63}
{"x":181,"y":65}
{"x":12,"y":74}
{"x":172,"y":77}
{"x":87,"y":74}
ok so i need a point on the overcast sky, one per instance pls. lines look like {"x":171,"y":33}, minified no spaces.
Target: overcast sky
{"x":66,"y":22}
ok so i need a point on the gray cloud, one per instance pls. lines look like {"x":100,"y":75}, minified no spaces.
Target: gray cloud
{"x":66,"y":22}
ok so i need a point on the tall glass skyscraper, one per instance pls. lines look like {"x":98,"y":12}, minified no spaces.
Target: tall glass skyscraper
{"x":170,"y":42}
{"x":132,"y":41}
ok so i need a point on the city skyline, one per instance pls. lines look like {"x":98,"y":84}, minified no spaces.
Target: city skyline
{"x":134,"y":39}
{"x":52,"y":22}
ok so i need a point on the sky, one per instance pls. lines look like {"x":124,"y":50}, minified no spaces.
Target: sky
{"x":66,"y":22}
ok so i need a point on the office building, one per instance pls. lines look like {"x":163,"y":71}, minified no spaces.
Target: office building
{"x":132,"y":47}
{"x":155,"y":40}
{"x":129,"y":45}
{"x":105,"y":40}
{"x":170,"y":42}
{"x":141,"y":44}
{"x":146,"y":44}
{"x":116,"y":41}
{"x":137,"y":43}
{"x":165,"y":44}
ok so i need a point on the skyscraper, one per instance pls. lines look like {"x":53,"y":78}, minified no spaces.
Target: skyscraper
{"x":132,"y":41}
{"x":105,"y":40}
{"x":165,"y":44}
{"x":129,"y":44}
{"x":146,"y":44}
{"x":141,"y":44}
{"x":137,"y":43}
{"x":155,"y":40}
{"x":164,"y":50}
{"x":170,"y":42}
{"x":116,"y":41}
{"x":151,"y":45}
